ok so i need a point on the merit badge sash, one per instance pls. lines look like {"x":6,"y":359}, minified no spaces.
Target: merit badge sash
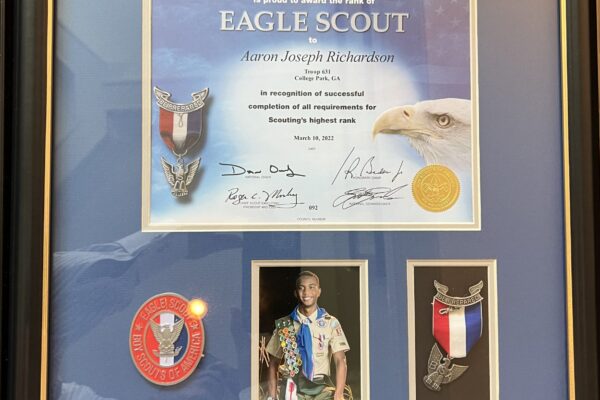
{"x":292,"y":361}
{"x":457,"y":327}
{"x":180,"y":127}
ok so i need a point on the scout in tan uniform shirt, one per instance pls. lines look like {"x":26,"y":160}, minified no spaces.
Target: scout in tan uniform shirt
{"x":303,"y":344}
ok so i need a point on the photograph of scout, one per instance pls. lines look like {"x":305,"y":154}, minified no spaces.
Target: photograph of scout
{"x":302,"y":348}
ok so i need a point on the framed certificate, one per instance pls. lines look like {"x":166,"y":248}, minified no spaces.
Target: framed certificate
{"x":301,"y":117}
{"x":142,"y":259}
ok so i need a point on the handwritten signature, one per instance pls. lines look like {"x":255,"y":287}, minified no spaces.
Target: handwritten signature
{"x":277,"y":198}
{"x":237,"y":170}
{"x":353,"y":197}
{"x":354,"y":167}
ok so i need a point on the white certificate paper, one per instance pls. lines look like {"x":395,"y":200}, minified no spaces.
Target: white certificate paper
{"x":310,"y":115}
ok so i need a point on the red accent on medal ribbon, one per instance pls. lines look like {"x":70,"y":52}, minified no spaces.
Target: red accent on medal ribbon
{"x":166,"y":127}
{"x":441,"y":326}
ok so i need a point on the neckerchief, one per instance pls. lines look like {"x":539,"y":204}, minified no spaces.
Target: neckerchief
{"x":304,"y":339}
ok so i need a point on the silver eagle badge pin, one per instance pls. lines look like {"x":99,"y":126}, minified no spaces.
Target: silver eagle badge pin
{"x":440,"y":371}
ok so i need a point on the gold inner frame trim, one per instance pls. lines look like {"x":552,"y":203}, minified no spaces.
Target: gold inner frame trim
{"x":47,"y":202}
{"x":567,"y":199}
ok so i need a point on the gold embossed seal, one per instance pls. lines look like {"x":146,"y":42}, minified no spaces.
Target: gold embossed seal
{"x":436,"y":188}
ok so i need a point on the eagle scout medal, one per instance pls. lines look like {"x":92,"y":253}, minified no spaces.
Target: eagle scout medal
{"x":166,"y":339}
{"x":180,"y":129}
{"x":457,"y":326}
{"x":436,"y":188}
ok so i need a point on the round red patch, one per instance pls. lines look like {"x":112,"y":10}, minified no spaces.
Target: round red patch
{"x":165,"y":340}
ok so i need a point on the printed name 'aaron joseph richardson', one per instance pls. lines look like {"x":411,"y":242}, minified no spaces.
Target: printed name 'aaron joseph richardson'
{"x":319,"y":57}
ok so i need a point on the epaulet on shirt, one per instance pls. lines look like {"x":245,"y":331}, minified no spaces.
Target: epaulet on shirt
{"x":327,"y":316}
{"x":283,"y":322}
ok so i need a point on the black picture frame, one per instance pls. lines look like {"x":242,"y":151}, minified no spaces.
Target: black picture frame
{"x":24,"y":63}
{"x":25,"y":40}
{"x":580,"y":96}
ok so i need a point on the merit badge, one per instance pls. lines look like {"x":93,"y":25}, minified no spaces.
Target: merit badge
{"x":436,"y":188}
{"x":457,"y":326}
{"x":180,"y":129}
{"x":166,"y":339}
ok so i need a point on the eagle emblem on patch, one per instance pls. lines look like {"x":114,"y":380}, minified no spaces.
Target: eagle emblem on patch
{"x":166,"y":340}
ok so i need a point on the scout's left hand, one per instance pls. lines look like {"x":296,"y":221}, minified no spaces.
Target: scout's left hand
{"x":338,"y":396}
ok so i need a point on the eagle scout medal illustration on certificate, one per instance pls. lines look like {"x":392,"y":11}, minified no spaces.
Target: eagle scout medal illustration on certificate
{"x":457,"y":326}
{"x":325,"y":116}
{"x":180,"y":130}
{"x":302,"y":347}
{"x":167,"y":338}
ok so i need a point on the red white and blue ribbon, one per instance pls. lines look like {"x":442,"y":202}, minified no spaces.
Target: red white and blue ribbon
{"x":180,"y":125}
{"x":180,"y":131}
{"x":457,"y":323}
